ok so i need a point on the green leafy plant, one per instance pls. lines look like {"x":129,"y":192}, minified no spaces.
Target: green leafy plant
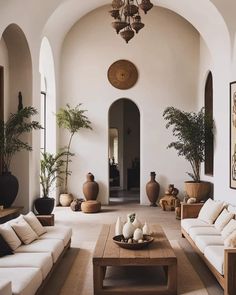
{"x":72,"y":119}
{"x":11,"y":132}
{"x":51,"y":169}
{"x":192,"y":130}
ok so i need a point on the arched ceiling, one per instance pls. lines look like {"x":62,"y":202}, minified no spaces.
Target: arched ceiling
{"x":203,"y":15}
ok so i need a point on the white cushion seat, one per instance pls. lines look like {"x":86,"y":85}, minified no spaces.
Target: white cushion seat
{"x":43,"y":261}
{"x":53,"y":246}
{"x":204,"y":241}
{"x":57,"y":232}
{"x":25,"y":281}
{"x":215,"y":255}
{"x":203,"y":231}
{"x":188,"y":223}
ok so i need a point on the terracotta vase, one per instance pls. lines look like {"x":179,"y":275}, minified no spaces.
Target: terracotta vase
{"x":66,"y":199}
{"x":90,"y":188}
{"x":152,"y":190}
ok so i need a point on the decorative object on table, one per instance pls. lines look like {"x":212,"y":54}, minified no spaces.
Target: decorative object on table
{"x":131,"y":243}
{"x":136,"y":223}
{"x":11,"y":142}
{"x":146,"y":229}
{"x":122,"y":74}
{"x":128,"y":230}
{"x":72,"y":119}
{"x":51,"y":170}
{"x":127,"y":16}
{"x":119,"y":227}
{"x":91,"y":206}
{"x":191,"y":201}
{"x":168,"y":201}
{"x":76,"y":204}
{"x":192,"y":130}
{"x":233,"y":135}
{"x":90,"y":188}
{"x":153,"y":189}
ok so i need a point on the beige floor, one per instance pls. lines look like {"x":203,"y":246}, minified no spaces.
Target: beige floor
{"x":86,"y":228}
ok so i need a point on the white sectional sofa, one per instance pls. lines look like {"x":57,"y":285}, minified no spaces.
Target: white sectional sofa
{"x":210,"y":236}
{"x":26,"y":271}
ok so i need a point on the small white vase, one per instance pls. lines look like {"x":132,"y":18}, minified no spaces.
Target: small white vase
{"x":119,"y":227}
{"x":138,"y":234}
{"x":128,"y":230}
{"x":146,"y":229}
{"x":136,"y":223}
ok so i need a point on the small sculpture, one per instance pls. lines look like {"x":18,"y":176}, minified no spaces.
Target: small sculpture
{"x":168,"y":201}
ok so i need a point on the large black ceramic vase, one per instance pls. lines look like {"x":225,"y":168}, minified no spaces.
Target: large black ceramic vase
{"x":44,"y":206}
{"x":8,"y":189}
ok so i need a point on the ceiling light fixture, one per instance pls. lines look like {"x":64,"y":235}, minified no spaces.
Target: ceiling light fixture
{"x":127,"y":17}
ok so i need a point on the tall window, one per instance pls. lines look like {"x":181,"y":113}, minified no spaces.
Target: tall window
{"x":209,"y":148}
{"x":43,"y":114}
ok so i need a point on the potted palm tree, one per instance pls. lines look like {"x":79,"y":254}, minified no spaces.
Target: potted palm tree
{"x":191,"y":130}
{"x":51,"y":175}
{"x":11,"y":142}
{"x":72,"y":119}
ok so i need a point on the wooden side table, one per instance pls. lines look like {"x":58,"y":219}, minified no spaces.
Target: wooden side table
{"x":46,"y":220}
{"x":9,"y":213}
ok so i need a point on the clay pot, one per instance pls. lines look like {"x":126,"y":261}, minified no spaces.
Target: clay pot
{"x":44,"y":206}
{"x":90,"y":188}
{"x":152,"y":190}
{"x":76,"y":204}
{"x":9,"y":188}
{"x":66,"y":199}
{"x":198,"y":190}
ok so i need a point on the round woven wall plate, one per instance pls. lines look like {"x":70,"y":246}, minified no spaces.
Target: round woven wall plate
{"x":122,"y":74}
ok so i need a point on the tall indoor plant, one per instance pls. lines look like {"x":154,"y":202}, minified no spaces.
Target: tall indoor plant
{"x":52,"y":170}
{"x":72,"y":119}
{"x":11,"y":142}
{"x":191,"y":130}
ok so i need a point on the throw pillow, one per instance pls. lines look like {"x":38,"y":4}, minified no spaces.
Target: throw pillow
{"x":228,"y":229}
{"x":223,"y":219}
{"x":230,"y":241}
{"x":10,"y":236}
{"x":33,"y":221}
{"x":210,"y":211}
{"x":5,"y":249}
{"x":24,"y":232}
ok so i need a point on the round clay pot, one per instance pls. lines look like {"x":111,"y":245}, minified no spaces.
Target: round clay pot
{"x":90,"y":206}
{"x":198,"y":190}
{"x":152,"y":190}
{"x":65,"y":199}
{"x":90,"y":188}
{"x":76,"y":204}
{"x":44,"y":206}
{"x":9,"y":188}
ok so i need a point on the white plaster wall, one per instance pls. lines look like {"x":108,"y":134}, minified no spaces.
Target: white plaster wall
{"x":166,"y":54}
{"x":4,"y":62}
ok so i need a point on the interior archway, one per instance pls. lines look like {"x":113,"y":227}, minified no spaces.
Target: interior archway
{"x":17,"y":64}
{"x":124,"y":151}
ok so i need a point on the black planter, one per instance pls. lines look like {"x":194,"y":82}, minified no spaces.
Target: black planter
{"x":8,"y":189}
{"x":44,"y":206}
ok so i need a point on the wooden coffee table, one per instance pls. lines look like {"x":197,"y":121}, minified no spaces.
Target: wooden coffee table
{"x":158,"y":253}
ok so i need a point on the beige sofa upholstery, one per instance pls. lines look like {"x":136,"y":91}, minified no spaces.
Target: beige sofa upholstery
{"x":24,"y":272}
{"x":209,"y":244}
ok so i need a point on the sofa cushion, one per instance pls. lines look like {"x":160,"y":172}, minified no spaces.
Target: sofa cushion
{"x":25,"y":281}
{"x":203,"y":241}
{"x":223,"y":219}
{"x":5,"y":249}
{"x":24,"y":231}
{"x":53,"y":246}
{"x":10,"y":236}
{"x":187,"y":223}
{"x":229,"y":228}
{"x":230,"y":241}
{"x":43,"y":261}
{"x":215,"y":255}
{"x":34,"y":223}
{"x":203,"y":231}
{"x":210,"y":211}
{"x":5,"y":287}
{"x":58,"y":232}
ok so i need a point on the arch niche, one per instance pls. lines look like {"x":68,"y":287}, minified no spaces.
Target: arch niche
{"x":15,"y":59}
{"x":124,"y":151}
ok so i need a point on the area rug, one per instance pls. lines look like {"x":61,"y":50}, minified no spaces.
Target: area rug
{"x":74,"y":273}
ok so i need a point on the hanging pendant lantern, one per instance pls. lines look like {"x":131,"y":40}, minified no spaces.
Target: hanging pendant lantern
{"x":146,"y":5}
{"x":127,"y":34}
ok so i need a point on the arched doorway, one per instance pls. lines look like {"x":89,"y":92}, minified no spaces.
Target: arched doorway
{"x":124,"y":151}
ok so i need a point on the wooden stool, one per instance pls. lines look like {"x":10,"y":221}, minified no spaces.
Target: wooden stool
{"x":90,"y":206}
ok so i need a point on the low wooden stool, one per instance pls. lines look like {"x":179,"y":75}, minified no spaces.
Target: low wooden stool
{"x":91,"y":206}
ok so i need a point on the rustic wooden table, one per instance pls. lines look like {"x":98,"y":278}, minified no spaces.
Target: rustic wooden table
{"x":158,"y":253}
